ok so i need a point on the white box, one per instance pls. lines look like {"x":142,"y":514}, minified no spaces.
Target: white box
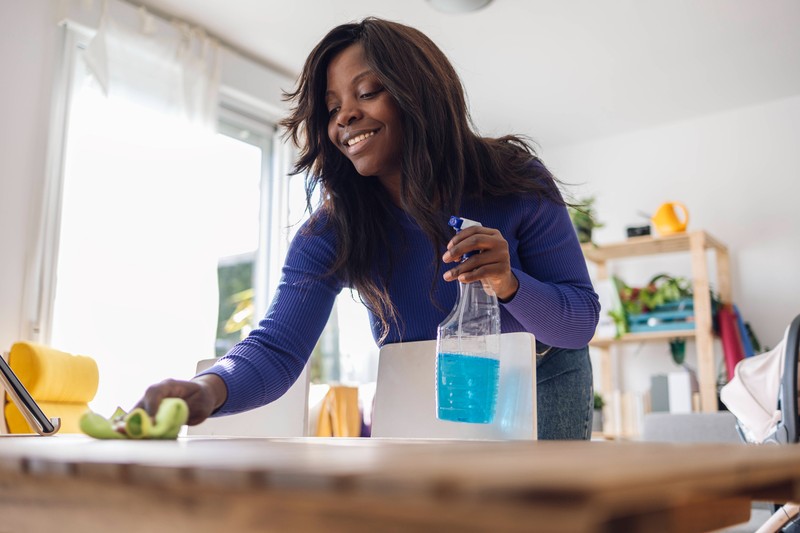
{"x":680,"y":392}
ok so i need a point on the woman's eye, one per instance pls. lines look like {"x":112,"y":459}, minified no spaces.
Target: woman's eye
{"x":333,"y":111}
{"x":370,"y":94}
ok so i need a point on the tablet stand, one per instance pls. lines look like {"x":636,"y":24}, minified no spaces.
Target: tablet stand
{"x":11,"y":383}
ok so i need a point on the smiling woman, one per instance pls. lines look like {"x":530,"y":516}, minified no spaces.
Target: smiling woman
{"x":380,"y":118}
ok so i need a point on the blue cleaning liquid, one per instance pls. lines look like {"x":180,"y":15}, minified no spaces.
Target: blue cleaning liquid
{"x":466,"y":388}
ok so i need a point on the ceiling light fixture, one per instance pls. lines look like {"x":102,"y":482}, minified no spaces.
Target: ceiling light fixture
{"x":458,"y":6}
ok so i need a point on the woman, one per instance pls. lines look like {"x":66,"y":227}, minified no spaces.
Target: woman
{"x":381,"y":119}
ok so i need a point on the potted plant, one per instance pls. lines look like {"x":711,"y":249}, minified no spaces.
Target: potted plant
{"x":584,"y":218}
{"x":597,"y":418}
{"x":661,"y":289}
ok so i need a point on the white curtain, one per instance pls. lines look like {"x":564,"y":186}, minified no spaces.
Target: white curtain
{"x":171,"y":72}
{"x":137,"y":287}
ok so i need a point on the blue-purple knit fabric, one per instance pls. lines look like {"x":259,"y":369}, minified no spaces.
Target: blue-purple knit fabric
{"x":555,"y":301}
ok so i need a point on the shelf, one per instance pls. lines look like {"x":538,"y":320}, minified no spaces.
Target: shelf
{"x":694,"y":244}
{"x":648,"y":245}
{"x":644,"y":337}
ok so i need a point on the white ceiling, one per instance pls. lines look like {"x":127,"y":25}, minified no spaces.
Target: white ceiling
{"x":561,"y":71}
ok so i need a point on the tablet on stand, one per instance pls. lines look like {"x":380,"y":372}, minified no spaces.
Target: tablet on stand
{"x":24,"y":401}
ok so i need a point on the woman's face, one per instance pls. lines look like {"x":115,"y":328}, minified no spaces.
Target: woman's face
{"x":364,"y":120}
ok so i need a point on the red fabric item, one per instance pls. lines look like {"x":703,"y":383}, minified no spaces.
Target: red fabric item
{"x":732,"y":345}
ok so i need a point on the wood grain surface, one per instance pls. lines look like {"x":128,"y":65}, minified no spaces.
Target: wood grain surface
{"x":240,"y":484}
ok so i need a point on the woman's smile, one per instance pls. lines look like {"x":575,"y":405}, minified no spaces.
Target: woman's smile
{"x":353,"y":139}
{"x":356,"y":142}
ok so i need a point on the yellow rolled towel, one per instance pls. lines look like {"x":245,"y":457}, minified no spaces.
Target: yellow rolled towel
{"x":54,"y":376}
{"x":69,"y":413}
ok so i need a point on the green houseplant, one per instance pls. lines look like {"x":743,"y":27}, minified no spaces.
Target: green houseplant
{"x":597,"y":417}
{"x":584,"y":218}
{"x":661,"y":289}
{"x":599,"y":403}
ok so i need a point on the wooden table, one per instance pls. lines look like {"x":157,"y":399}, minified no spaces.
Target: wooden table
{"x":71,"y":484}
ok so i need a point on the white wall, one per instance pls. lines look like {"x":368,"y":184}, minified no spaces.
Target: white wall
{"x":29,"y":40}
{"x":738,"y":174}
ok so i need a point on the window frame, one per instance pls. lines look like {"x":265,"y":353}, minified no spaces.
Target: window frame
{"x":245,"y":126}
{"x":40,"y":290}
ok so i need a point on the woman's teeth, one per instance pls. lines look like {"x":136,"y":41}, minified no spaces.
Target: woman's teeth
{"x":358,"y":138}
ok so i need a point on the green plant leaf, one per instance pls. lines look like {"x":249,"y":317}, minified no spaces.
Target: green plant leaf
{"x":584,"y":218}
{"x":599,"y":403}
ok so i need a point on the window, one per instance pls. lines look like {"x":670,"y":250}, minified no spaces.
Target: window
{"x":247,"y":145}
{"x":171,"y":239}
{"x":156,"y":216}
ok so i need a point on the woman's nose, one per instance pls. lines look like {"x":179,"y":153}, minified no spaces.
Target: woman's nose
{"x":348,"y":114}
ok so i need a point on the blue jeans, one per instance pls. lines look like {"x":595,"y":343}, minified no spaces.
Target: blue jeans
{"x":564,"y":394}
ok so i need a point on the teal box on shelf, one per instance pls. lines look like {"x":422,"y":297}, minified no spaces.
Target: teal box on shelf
{"x":673,"y":316}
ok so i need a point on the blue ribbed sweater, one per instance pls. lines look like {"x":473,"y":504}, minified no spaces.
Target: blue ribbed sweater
{"x":555,"y":300}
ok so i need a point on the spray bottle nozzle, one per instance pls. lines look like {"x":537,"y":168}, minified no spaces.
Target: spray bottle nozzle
{"x":458,"y":223}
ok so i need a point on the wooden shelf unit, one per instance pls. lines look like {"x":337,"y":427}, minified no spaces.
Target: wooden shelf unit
{"x":644,"y":337}
{"x":695,"y":243}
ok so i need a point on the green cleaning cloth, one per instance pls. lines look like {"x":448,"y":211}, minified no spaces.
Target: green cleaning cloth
{"x":172,"y":414}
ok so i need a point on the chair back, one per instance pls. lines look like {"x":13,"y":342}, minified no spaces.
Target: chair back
{"x":405,"y":402}
{"x":285,"y":417}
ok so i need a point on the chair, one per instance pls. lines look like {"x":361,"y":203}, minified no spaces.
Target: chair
{"x":691,"y":427}
{"x":285,"y":417}
{"x":405,"y":405}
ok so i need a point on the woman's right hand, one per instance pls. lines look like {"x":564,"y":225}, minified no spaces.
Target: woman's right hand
{"x":203,"y":395}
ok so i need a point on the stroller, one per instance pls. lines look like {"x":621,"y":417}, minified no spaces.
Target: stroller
{"x":751,"y":397}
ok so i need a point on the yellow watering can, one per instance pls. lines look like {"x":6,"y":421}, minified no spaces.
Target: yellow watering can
{"x":666,"y":220}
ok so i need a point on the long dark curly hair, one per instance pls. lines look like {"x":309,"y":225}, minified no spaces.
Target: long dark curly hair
{"x":443,"y":158}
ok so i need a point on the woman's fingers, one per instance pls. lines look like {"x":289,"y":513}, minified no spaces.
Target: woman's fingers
{"x":197,"y":398}
{"x":471,"y":240}
{"x":492,"y":265}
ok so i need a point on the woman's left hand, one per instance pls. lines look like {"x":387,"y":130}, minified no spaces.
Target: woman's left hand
{"x":492,"y":265}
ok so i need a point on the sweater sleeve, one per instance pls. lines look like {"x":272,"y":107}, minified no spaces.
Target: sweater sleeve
{"x":555,"y":301}
{"x":262,"y":367}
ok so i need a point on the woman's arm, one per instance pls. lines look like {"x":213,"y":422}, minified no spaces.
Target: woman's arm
{"x":555,"y":300}
{"x":550,"y":294}
{"x":262,"y":367}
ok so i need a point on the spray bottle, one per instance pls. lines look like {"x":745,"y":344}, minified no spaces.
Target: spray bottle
{"x":468,"y":351}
